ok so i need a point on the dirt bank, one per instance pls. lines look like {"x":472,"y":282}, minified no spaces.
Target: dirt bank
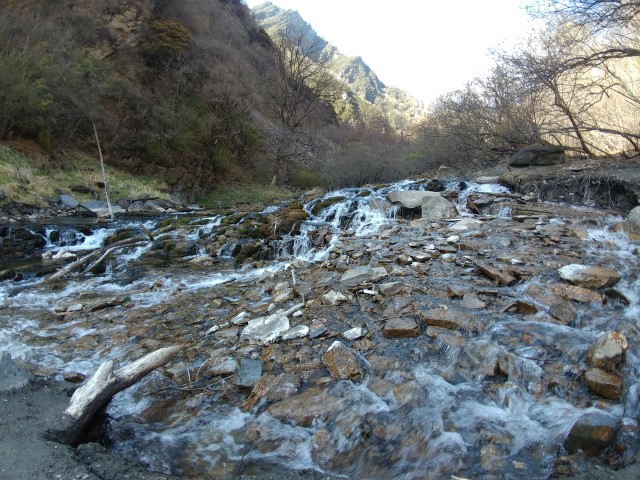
{"x":611,"y":183}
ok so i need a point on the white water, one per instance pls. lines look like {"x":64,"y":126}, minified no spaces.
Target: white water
{"x":450,"y":422}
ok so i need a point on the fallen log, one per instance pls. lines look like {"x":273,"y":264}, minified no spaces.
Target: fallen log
{"x":97,"y":392}
{"x":102,"y":251}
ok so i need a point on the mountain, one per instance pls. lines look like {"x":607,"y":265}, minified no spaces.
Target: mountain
{"x":364,"y":88}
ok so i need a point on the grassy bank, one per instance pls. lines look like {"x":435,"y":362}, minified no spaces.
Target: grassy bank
{"x":34,"y":178}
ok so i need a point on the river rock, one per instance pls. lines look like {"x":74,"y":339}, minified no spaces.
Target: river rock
{"x":401,"y":327}
{"x":249,"y":372}
{"x":299,"y":331}
{"x":342,"y":362}
{"x":498,"y":276}
{"x":466,"y":224}
{"x":312,"y":404}
{"x":605,"y":384}
{"x":487,"y":180}
{"x":563,"y":312}
{"x":591,"y":433}
{"x":334,"y":298}
{"x":354,"y":333}
{"x":589,"y":277}
{"x":391,"y":288}
{"x":223,"y":366}
{"x":362,"y":274}
{"x":265,"y":329}
{"x":68,"y":201}
{"x":608,"y":350}
{"x":436,"y":207}
{"x":451,"y":318}
{"x":633,"y":221}
{"x":537,"y":155}
{"x":579,"y":294}
{"x":12,"y":375}
{"x":407,"y":198}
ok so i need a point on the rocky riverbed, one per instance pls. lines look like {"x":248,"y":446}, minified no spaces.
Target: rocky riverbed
{"x":360,"y":337}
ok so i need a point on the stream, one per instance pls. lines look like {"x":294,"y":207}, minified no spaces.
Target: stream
{"x":483,"y":377}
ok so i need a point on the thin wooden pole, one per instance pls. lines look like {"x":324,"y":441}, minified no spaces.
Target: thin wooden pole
{"x":104,"y":175}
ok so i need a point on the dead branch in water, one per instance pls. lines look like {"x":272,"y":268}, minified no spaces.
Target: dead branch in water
{"x":97,"y":392}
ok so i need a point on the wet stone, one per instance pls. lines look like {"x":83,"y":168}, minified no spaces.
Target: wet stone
{"x":605,"y":384}
{"x":342,"y":362}
{"x":591,"y":433}
{"x":588,"y":276}
{"x":313,"y":404}
{"x":451,"y":318}
{"x":579,"y":294}
{"x":401,"y":327}
{"x":472,"y":301}
{"x":608,"y":350}
{"x":249,"y":372}
{"x":498,"y":276}
{"x":563,"y":312}
{"x":74,"y":377}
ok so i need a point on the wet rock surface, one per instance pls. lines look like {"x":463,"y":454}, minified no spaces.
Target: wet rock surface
{"x":466,"y":353}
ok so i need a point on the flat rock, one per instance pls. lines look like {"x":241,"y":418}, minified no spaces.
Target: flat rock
{"x":391,"y":288}
{"x":354,"y":333}
{"x":362,"y":274}
{"x":299,"y":331}
{"x":495,"y":274}
{"x":466,"y":224}
{"x":313,"y":404}
{"x":12,"y":375}
{"x":451,"y":318}
{"x":401,"y":327}
{"x":334,"y":298}
{"x":589,"y":277}
{"x":249,"y":372}
{"x":223,"y":366}
{"x":342,"y":362}
{"x":407,"y":198}
{"x":537,"y":155}
{"x":608,"y":350}
{"x":579,"y":294}
{"x":605,"y":384}
{"x":265,"y":329}
{"x":591,"y":433}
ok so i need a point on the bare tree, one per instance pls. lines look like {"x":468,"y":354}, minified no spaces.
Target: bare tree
{"x":302,"y":86}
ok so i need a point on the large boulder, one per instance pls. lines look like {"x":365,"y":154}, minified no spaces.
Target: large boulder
{"x":436,"y":207}
{"x":537,"y":155}
{"x":407,"y":198}
{"x":633,"y":221}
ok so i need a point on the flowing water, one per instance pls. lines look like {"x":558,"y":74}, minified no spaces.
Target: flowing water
{"x":495,"y":398}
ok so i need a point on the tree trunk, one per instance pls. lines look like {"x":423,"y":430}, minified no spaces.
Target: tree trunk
{"x":97,"y":392}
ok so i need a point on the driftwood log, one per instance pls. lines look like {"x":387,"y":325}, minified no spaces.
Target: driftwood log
{"x":97,"y":392}
{"x":102,"y":252}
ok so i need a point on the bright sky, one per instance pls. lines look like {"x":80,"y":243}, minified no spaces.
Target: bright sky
{"x":426,"y":47}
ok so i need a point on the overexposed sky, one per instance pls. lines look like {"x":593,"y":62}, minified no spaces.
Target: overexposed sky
{"x":426,"y":47}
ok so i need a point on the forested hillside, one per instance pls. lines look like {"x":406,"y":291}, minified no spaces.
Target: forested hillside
{"x":197,"y":94}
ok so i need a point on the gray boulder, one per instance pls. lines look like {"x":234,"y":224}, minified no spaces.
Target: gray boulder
{"x":12,"y":375}
{"x":537,"y":155}
{"x":407,"y":198}
{"x":68,"y":201}
{"x":633,"y":220}
{"x":436,"y":207}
